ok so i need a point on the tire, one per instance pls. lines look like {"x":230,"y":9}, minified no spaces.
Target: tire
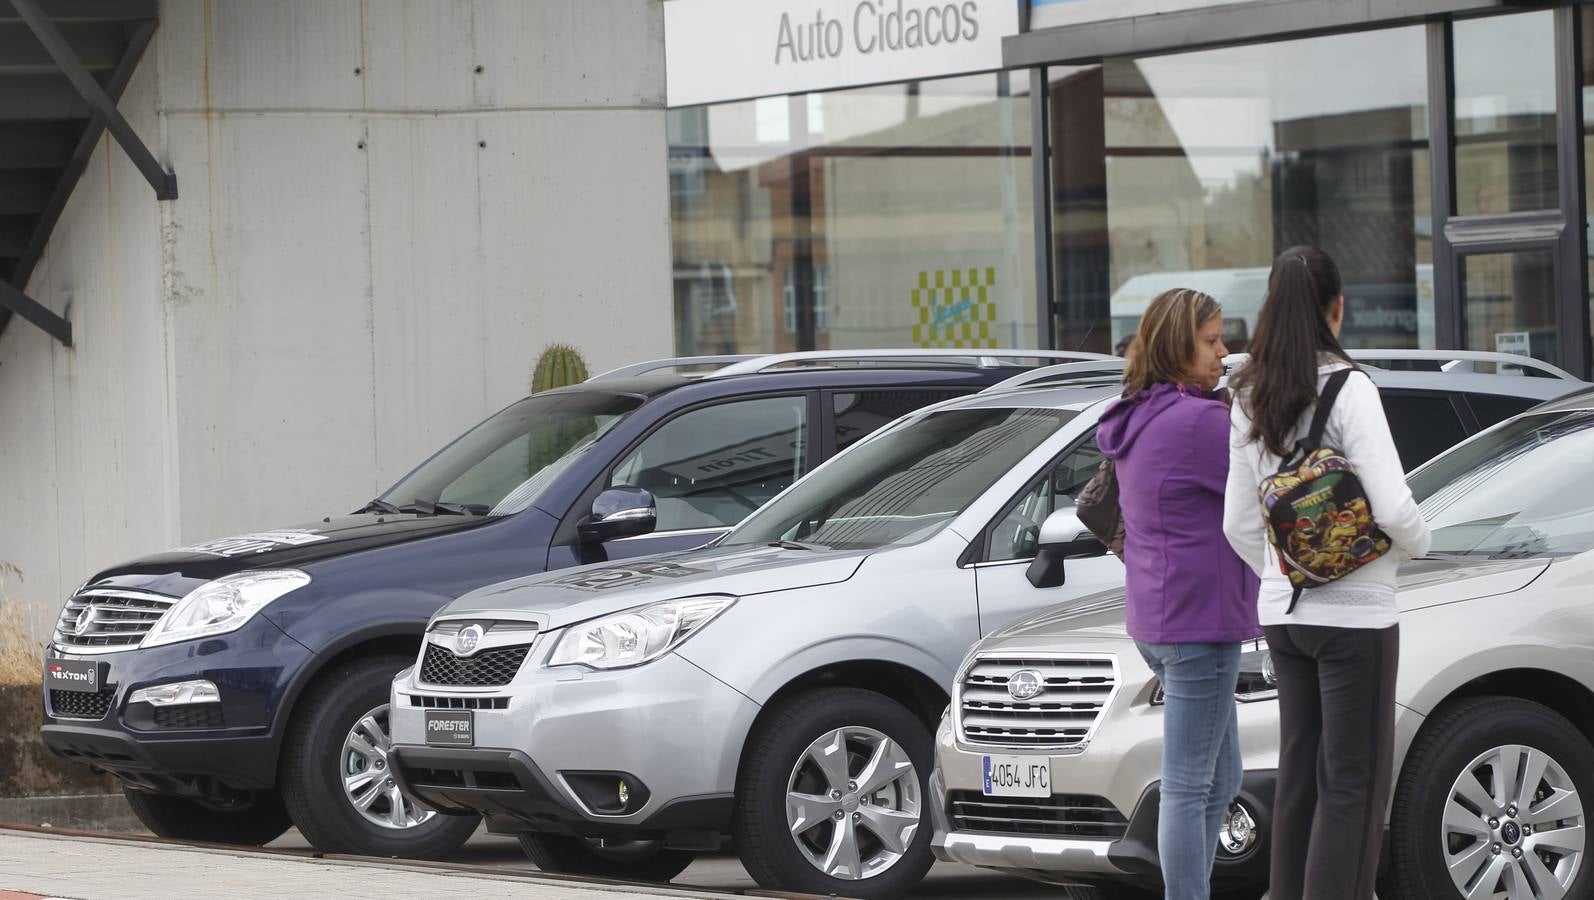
{"x":1476,"y":736}
{"x":250,"y":825}
{"x":778,"y":760}
{"x":316,"y":759}
{"x":641,"y":861}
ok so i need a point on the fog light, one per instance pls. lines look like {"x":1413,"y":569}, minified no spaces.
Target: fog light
{"x":625,"y":794}
{"x":177,"y":694}
{"x":1239,"y":834}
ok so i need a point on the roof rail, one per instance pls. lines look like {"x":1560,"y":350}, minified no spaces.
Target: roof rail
{"x":679,"y":362}
{"x":1448,"y":360}
{"x":1063,"y":373}
{"x":1463,"y":360}
{"x":985,"y":359}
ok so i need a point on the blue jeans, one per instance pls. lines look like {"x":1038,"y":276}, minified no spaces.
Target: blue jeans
{"x":1201,"y":765}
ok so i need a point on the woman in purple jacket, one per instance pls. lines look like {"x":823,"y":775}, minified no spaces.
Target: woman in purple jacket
{"x":1191,"y":599}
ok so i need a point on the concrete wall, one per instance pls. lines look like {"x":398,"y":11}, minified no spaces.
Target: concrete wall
{"x":373,"y":241}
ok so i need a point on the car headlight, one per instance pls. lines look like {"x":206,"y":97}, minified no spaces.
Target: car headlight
{"x":223,"y":605}
{"x":1257,"y":680}
{"x":636,"y":636}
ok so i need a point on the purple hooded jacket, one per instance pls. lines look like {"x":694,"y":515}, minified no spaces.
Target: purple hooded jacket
{"x":1185,"y":584}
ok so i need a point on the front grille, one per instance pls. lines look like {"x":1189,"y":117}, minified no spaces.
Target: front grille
{"x":459,"y":702}
{"x":117,"y":619}
{"x":488,"y":668}
{"x":189,"y":715}
{"x":81,"y":704}
{"x":1060,"y":815}
{"x":1074,"y":692}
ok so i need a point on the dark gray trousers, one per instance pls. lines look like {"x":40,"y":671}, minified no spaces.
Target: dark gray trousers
{"x":1336,"y":748}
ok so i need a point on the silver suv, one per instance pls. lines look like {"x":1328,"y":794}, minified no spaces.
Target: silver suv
{"x":782,"y":684}
{"x":1494,"y":717}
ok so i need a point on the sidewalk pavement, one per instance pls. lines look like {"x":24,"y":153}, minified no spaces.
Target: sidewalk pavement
{"x":82,"y":867}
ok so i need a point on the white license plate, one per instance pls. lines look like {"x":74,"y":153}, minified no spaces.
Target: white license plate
{"x":1018,"y":776}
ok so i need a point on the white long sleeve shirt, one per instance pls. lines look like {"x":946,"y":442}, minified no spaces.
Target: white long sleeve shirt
{"x":1356,"y":427}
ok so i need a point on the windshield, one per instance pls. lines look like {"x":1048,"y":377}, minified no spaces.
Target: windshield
{"x":1517,"y":491}
{"x":904,"y":484}
{"x":502,"y":465}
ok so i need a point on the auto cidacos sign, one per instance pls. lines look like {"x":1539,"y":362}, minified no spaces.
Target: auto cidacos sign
{"x":717,"y":50}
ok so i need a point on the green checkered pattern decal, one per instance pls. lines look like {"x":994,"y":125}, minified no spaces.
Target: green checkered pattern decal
{"x":955,"y":308}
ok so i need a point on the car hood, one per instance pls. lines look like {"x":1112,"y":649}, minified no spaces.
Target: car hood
{"x":557,"y":599}
{"x":296,"y":546}
{"x":1423,"y":583}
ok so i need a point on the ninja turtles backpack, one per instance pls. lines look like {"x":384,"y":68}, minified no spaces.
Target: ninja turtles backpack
{"x":1319,"y":519}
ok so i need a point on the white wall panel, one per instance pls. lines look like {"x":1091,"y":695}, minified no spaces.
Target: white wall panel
{"x":273,"y":333}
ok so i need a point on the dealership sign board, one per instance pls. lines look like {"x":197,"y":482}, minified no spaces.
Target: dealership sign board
{"x":1053,"y":13}
{"x":717,"y":50}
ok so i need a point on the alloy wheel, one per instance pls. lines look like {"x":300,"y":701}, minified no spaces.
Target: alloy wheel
{"x":368,"y":782}
{"x":1513,"y":826}
{"x":853,"y":803}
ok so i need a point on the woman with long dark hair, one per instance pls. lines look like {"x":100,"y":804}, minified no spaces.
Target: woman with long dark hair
{"x":1334,"y":647}
{"x":1191,"y":601}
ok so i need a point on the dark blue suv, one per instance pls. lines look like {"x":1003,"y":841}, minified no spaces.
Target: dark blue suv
{"x":240,"y":685}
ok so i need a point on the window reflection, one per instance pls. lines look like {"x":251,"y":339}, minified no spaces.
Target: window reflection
{"x":1196,"y":169}
{"x":898,"y":215}
{"x":1505,"y":114}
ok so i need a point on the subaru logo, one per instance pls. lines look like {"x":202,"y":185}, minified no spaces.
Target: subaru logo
{"x":1025,"y":684}
{"x":465,"y":642}
{"x":84,"y":620}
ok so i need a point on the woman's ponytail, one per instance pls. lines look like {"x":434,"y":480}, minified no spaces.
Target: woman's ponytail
{"x":1279,"y":381}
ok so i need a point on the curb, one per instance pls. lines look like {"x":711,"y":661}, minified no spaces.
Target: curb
{"x":72,"y":812}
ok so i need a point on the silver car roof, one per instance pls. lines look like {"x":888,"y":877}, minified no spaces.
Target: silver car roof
{"x":1089,"y":391}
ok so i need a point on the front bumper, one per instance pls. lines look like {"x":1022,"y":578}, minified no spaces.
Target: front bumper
{"x":673,"y":731}
{"x":1117,"y":775}
{"x":187,"y":755}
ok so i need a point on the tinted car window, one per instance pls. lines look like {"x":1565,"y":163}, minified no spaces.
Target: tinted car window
{"x":1017,"y":532}
{"x":906,"y":483}
{"x":1493,"y":408}
{"x":1518,"y":491}
{"x":710,"y":467}
{"x":1423,"y":426}
{"x":503,"y":464}
{"x":861,"y":412}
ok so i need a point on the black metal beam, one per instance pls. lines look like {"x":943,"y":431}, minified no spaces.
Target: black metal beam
{"x":80,"y":159}
{"x":164,"y":182}
{"x":1572,"y":299}
{"x":1442,"y":186}
{"x":1041,"y":192}
{"x":92,"y":10}
{"x":98,"y":45}
{"x":35,"y":312}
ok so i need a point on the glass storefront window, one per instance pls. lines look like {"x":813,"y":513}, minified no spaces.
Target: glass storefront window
{"x":1505,"y":114}
{"x":899,"y":215}
{"x":1509,"y":303}
{"x":1196,"y":169}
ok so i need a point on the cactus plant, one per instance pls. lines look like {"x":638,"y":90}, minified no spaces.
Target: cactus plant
{"x":560,"y":365}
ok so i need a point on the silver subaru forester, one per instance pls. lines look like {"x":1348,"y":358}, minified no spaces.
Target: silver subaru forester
{"x":781,"y":686}
{"x":1493,"y":725}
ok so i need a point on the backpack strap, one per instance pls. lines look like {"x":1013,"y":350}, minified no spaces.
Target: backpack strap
{"x":1325,"y":405}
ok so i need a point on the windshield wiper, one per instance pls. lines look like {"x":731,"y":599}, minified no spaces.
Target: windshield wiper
{"x":379,"y":506}
{"x":797,"y":545}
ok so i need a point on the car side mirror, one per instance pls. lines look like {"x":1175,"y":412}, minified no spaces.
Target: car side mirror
{"x":1062,"y":536}
{"x":619,"y":512}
